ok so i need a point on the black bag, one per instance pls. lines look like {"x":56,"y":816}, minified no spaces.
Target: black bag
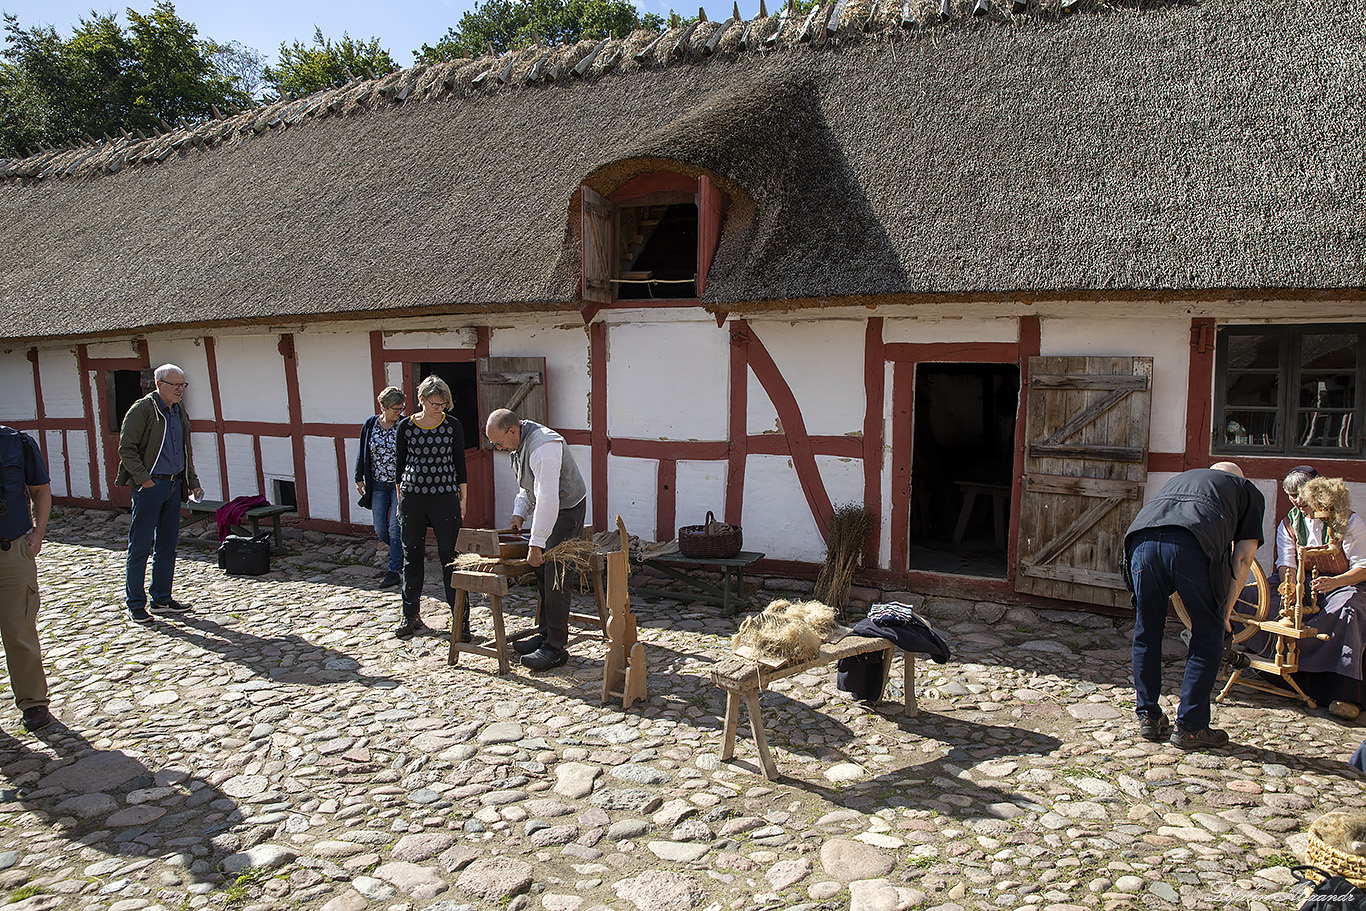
{"x":364,"y":501}
{"x":243,"y":556}
{"x":1328,"y":891}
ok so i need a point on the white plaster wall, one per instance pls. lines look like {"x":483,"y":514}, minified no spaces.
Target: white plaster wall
{"x":79,"y":444}
{"x":205,"y":446}
{"x":323,"y":492}
{"x":189,"y":355}
{"x":776,"y":519}
{"x":699,"y":487}
{"x":251,"y":378}
{"x":843,"y":480}
{"x":241,"y":456}
{"x":393,"y":376}
{"x":668,"y":381}
{"x":822,"y":362}
{"x":334,"y":379}
{"x":61,"y":377}
{"x":426,"y":338}
{"x":1166,"y":341}
{"x":118,"y":349}
{"x":56,"y":463}
{"x":277,"y":459}
{"x":96,"y":445}
{"x":884,"y":508}
{"x":583,"y":457}
{"x":632,"y":493}
{"x":566,"y":353}
{"x":760,"y":415}
{"x":16,"y":387}
{"x":951,"y":329}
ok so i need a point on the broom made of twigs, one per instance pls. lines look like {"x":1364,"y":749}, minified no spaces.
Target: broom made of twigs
{"x":848,"y":532}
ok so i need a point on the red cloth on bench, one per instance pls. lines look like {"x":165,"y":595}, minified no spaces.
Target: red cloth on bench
{"x":234,"y":511}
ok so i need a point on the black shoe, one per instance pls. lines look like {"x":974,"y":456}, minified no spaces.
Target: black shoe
{"x":37,"y":717}
{"x":409,"y":628}
{"x":1236,"y":660}
{"x":390,"y":580}
{"x":1208,"y":739}
{"x":544,"y":658}
{"x":529,"y":644}
{"x":139,"y":615}
{"x":1154,"y":726}
{"x":170,"y":607}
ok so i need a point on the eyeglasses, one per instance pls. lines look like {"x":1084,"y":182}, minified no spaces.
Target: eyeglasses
{"x":435,"y":403}
{"x":500,"y":446}
{"x":173,"y":385}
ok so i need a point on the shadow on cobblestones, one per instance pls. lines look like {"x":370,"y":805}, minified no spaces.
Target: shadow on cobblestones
{"x":109,"y":802}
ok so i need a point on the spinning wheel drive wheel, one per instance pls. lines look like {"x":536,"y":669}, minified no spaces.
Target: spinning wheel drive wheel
{"x":1252,"y":606}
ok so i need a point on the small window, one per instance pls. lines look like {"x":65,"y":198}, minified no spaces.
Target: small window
{"x":122,"y":389}
{"x":1290,"y":390}
{"x":654,"y":237}
{"x":284,"y":494}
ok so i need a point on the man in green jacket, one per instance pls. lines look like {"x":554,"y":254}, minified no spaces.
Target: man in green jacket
{"x":155,"y":460}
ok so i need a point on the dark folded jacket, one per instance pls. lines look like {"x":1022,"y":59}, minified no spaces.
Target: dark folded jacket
{"x":903,"y":627}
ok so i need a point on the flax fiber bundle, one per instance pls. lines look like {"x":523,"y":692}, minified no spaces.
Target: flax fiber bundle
{"x":786,"y":632}
{"x":848,"y":532}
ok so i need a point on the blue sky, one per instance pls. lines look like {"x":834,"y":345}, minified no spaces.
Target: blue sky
{"x":400,"y":25}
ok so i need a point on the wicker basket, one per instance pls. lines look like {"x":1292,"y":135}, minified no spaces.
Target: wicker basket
{"x":1335,"y":860}
{"x":710,"y":540}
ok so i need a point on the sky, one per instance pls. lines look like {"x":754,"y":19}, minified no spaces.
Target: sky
{"x":401,"y":26}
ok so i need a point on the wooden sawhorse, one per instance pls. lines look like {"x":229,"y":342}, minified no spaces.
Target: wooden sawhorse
{"x":742,"y":679}
{"x":495,"y":585}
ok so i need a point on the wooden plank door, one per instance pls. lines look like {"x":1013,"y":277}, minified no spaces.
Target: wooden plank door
{"x":1086,"y":460}
{"x":517,"y":383}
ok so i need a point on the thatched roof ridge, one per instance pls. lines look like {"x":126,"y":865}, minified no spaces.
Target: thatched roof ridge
{"x":828,"y":25}
{"x":1173,"y":149}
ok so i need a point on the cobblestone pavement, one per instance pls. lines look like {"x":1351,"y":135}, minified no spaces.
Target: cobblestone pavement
{"x":276,"y":748}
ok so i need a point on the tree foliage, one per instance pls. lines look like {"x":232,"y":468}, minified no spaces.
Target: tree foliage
{"x":325,"y":65}
{"x":105,"y":79}
{"x":507,"y":24}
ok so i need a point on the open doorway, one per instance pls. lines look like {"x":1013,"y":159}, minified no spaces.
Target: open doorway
{"x":963,"y":450}
{"x":460,"y":376}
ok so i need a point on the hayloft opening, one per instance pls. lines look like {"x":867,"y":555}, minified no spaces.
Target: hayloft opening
{"x":963,"y":449}
{"x":657,"y":251}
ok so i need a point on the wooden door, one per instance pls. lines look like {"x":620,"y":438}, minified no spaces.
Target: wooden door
{"x":596,"y":275}
{"x":1086,"y":460}
{"x":515,"y":383}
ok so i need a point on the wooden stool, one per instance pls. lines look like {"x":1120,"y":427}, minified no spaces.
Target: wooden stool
{"x":495,"y":585}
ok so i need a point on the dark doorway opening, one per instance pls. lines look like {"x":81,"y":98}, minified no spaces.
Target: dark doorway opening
{"x":460,"y":376}
{"x":963,"y":452}
{"x":658,"y":247}
{"x":124,"y":388}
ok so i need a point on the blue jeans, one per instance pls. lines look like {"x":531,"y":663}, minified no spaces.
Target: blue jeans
{"x":1166,"y":560}
{"x":156,"y":531}
{"x":384,"y":510}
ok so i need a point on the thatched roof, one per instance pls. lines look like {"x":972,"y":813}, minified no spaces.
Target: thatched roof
{"x":1165,"y":146}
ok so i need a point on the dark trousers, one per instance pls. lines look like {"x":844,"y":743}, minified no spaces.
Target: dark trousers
{"x":552,"y":580}
{"x":418,"y":512}
{"x":1166,"y":560}
{"x":155,"y":530}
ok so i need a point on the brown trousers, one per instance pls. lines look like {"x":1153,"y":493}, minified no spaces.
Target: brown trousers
{"x":19,"y":624}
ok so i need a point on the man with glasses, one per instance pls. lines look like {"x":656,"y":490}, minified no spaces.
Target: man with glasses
{"x":553,"y":492}
{"x":155,"y":460}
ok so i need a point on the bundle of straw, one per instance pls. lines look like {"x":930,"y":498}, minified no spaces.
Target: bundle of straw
{"x":786,"y":632}
{"x":848,"y":532}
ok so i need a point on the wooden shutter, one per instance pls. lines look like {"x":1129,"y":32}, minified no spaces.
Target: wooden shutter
{"x":1085,"y":464}
{"x":516,"y":383}
{"x":595,"y":282}
{"x":710,"y":204}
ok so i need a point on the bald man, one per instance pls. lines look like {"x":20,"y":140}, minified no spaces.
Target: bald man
{"x":1196,"y":538}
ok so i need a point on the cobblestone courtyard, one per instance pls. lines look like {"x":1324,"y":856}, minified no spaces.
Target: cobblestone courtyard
{"x":276,"y":748}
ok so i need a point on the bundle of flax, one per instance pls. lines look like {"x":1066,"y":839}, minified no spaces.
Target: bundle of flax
{"x":786,"y":632}
{"x":575,"y":554}
{"x":848,"y":532}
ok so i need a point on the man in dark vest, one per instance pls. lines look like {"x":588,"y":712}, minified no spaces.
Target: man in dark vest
{"x":553,"y":495}
{"x":1196,"y":538}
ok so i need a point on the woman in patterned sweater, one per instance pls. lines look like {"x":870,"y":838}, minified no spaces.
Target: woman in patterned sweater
{"x":430,"y":464}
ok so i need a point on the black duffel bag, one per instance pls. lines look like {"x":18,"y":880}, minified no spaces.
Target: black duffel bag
{"x":243,"y":556}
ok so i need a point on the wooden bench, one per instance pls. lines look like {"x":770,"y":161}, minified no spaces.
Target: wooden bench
{"x":744,"y":679}
{"x":730,"y":597}
{"x":206,"y":509}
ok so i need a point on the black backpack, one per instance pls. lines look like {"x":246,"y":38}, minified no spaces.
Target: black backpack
{"x":244,"y":556}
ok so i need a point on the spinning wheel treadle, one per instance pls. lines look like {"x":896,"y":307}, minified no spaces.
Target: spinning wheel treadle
{"x":1251,"y":609}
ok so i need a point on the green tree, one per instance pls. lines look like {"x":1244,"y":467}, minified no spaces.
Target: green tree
{"x":508,"y":24}
{"x":245,"y":66}
{"x":107,"y":79}
{"x":304,"y":70}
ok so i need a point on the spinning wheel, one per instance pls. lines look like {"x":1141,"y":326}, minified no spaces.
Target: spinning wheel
{"x":1251,"y":609}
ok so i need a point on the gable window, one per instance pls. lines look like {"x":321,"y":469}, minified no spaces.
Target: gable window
{"x":653,"y":238}
{"x":1290,"y":390}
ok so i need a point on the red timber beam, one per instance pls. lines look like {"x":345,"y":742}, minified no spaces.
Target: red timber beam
{"x":794,"y":429}
{"x":1030,"y":341}
{"x":903,"y":397}
{"x":41,"y":413}
{"x":874,"y":381}
{"x":597,"y":421}
{"x":1199,"y":390}
{"x":296,"y":424}
{"x":216,"y":394}
{"x":738,"y":449}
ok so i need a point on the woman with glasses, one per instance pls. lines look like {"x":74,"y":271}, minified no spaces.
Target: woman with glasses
{"x":430,"y":466}
{"x":376,"y":477}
